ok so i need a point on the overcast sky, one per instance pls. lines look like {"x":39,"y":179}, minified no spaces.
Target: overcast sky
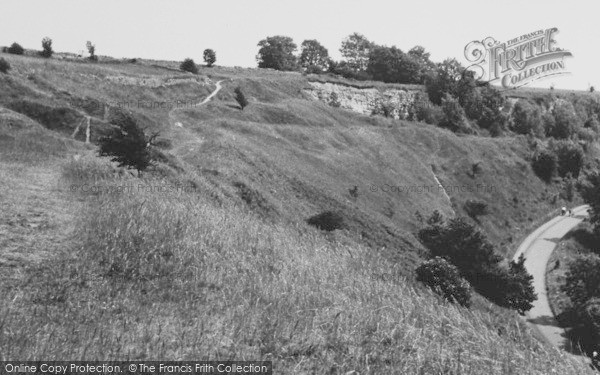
{"x":176,"y":29}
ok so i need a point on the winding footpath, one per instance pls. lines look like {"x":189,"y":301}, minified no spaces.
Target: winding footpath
{"x":537,"y":248}
{"x":206,"y":100}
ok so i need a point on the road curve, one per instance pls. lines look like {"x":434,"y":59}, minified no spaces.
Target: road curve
{"x":537,"y":248}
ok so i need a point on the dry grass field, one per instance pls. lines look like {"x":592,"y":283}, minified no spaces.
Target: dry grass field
{"x":208,"y":254}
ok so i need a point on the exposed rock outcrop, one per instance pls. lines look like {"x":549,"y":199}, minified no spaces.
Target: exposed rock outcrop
{"x":392,"y":102}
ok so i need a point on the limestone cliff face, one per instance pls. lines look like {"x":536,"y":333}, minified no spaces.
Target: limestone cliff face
{"x":396,"y":103}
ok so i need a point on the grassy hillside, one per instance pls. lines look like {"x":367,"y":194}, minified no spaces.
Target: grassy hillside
{"x":210,"y":253}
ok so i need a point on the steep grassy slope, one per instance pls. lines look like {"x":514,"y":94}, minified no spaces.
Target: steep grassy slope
{"x":226,"y":265}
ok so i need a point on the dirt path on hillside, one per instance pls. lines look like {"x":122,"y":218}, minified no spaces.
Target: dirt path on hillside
{"x":537,"y":248}
{"x":206,"y":100}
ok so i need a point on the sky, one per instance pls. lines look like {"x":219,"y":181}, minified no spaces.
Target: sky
{"x":177,"y":29}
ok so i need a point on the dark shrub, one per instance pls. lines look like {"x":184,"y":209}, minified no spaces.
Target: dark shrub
{"x":127,"y":144}
{"x":544,"y":164}
{"x":241,"y":98}
{"x":426,"y":111}
{"x":327,"y":220}
{"x":565,"y":123}
{"x":188,"y":65}
{"x":583,"y":279}
{"x":527,"y":119}
{"x":444,"y":278}
{"x":454,"y":116}
{"x":334,"y":100}
{"x":314,"y":69}
{"x":4,"y":66}
{"x":46,"y":48}
{"x":91,"y":50}
{"x":15,"y":49}
{"x":210,"y":57}
{"x":511,"y":288}
{"x":385,"y":108}
{"x":569,"y":158}
{"x":590,"y":192}
{"x":460,"y":243}
{"x":469,"y":250}
{"x":476,"y":208}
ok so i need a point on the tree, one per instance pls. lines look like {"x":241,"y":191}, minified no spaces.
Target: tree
{"x":583,"y":279}
{"x":390,"y":64}
{"x":426,"y":65}
{"x":15,"y":49}
{"x":91,"y":50}
{"x":589,"y":189}
{"x":565,"y":123}
{"x":544,"y":164}
{"x":475,"y":257}
{"x":356,"y":49}
{"x":4,"y":65}
{"x":527,"y":119}
{"x":569,"y":157}
{"x":277,"y":52}
{"x":444,"y":81}
{"x":454,"y":116}
{"x":520,"y":292}
{"x":127,"y":144}
{"x":460,"y":243}
{"x":188,"y":65}
{"x":489,"y":114}
{"x":444,"y":278}
{"x":210,"y":57}
{"x":241,"y":98}
{"x":314,"y":55}
{"x":46,"y":48}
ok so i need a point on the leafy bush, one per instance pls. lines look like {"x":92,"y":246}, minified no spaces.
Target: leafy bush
{"x":593,"y":124}
{"x":328,"y":221}
{"x":210,"y":57}
{"x":426,"y":111}
{"x":385,"y":108}
{"x":486,"y":105}
{"x":241,"y":98}
{"x":476,"y":208}
{"x":475,"y":257}
{"x":188,"y":65}
{"x":527,"y":119}
{"x":46,"y":48}
{"x":91,"y":50}
{"x":127,"y":144}
{"x":544,"y":165}
{"x":511,"y":288}
{"x":583,"y":279}
{"x":569,"y":158}
{"x":15,"y":49}
{"x":454,"y":116}
{"x":334,"y":100}
{"x":444,"y":278}
{"x":4,"y":65}
{"x":590,"y":192}
{"x":565,"y":122}
{"x":444,"y":81}
{"x":460,"y":243}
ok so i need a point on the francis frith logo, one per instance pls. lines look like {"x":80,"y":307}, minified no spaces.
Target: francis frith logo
{"x":518,"y":61}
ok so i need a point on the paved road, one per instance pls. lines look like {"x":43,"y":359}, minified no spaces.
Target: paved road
{"x":537,"y":248}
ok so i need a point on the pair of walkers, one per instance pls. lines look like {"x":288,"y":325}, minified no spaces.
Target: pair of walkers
{"x":564,"y":211}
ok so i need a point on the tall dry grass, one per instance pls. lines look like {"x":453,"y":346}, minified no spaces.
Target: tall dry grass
{"x":170,"y":275}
